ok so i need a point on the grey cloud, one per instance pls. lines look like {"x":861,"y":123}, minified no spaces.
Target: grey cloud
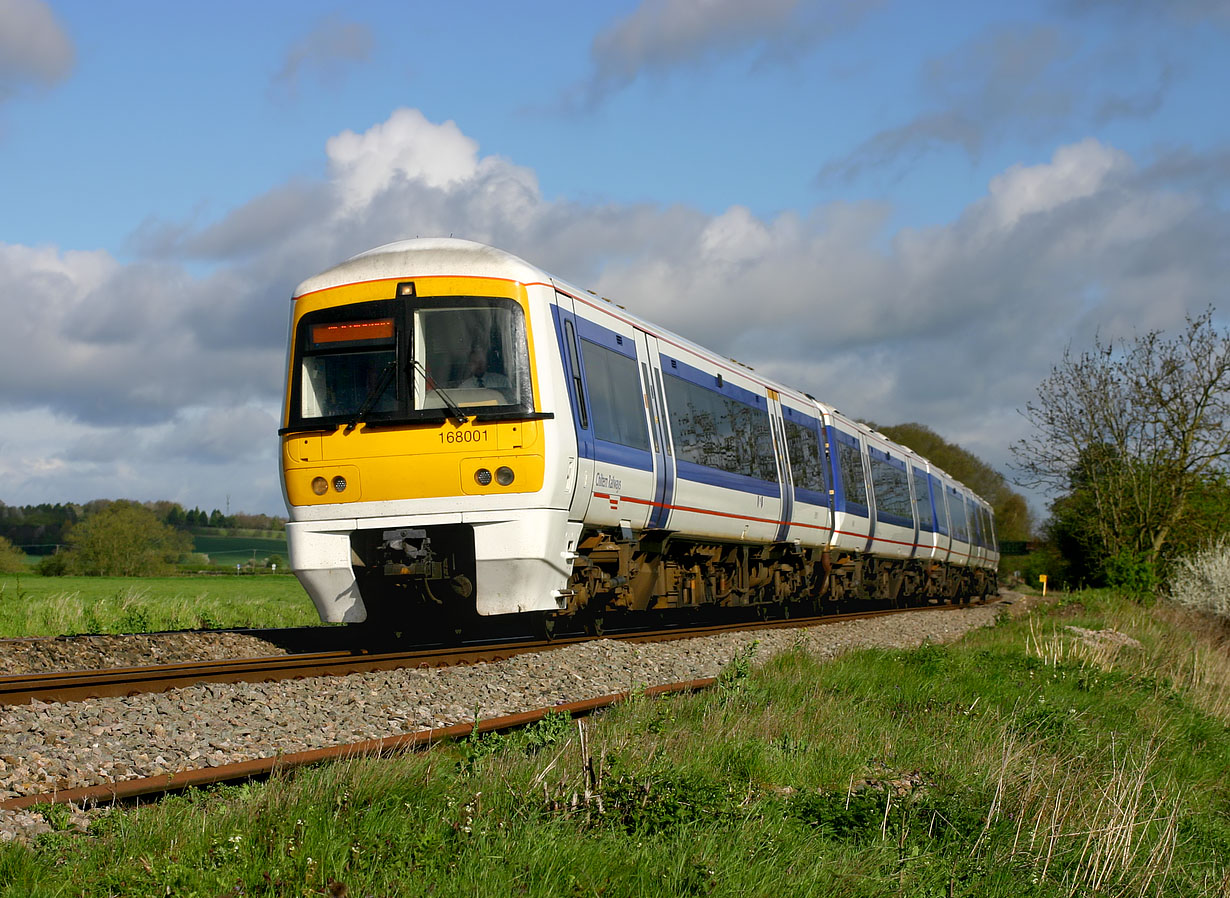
{"x":1187,"y":12}
{"x":182,"y":458}
{"x":663,"y":35}
{"x":906,"y":143}
{"x":261,"y":223}
{"x":324,"y":54}
{"x":34,"y":48}
{"x":126,"y":349}
{"x":1140,"y":104}
{"x":218,"y":436}
{"x":1029,"y":83}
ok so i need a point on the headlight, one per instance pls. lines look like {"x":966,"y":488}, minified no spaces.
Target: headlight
{"x":483,"y":477}
{"x":339,"y":483}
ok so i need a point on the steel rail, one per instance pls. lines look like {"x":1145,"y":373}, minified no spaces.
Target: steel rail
{"x":124,"y":790}
{"x":86,"y":684}
{"x":120,"y":682}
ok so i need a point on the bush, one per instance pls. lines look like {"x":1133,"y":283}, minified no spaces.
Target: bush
{"x":12,"y":559}
{"x":124,"y":539}
{"x":1202,"y":581}
{"x":1131,"y":572}
{"x":53,"y":565}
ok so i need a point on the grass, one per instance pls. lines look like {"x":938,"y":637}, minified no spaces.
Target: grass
{"x":32,"y":605}
{"x":1024,"y":761}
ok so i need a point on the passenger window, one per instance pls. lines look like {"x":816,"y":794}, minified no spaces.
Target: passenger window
{"x":850,"y":458}
{"x":960,"y":524}
{"x":719,"y":431}
{"x":617,"y":404}
{"x":892,"y":490}
{"x":806,"y":460}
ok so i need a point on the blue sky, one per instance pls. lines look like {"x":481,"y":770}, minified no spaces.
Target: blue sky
{"x":906,"y":209}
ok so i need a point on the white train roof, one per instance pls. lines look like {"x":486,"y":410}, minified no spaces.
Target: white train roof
{"x":425,"y":256}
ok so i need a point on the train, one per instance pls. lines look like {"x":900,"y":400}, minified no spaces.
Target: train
{"x":466,"y":437}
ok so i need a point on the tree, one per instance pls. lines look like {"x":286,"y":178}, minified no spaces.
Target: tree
{"x":1134,"y":439}
{"x":124,"y":539}
{"x":12,"y":559}
{"x":1012,"y":520}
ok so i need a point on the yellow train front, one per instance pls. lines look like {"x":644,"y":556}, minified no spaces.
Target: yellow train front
{"x":422,"y":462}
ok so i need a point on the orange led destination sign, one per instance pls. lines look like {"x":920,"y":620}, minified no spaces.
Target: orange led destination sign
{"x":347,"y":331}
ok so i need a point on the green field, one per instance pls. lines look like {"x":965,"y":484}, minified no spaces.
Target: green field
{"x":1026,"y":761}
{"x":233,"y":550}
{"x":32,"y":605}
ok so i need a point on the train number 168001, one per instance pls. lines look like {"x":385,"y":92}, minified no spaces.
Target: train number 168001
{"x":463,"y":436}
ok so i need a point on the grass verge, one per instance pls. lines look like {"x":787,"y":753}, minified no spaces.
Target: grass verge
{"x":32,"y":605}
{"x":1043,"y":757}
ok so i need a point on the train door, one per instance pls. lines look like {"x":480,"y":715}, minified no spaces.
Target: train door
{"x":777,"y":427}
{"x":570,"y":351}
{"x":618,"y":436}
{"x":943,"y":525}
{"x":659,"y":427}
{"x":853,"y":516}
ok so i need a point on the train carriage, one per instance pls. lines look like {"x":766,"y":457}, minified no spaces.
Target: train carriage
{"x":466,"y":435}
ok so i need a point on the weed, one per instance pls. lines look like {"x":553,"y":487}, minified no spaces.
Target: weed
{"x":58,"y":816}
{"x":135,"y":620}
{"x":735,"y":675}
{"x":661,"y":799}
{"x":554,"y":727}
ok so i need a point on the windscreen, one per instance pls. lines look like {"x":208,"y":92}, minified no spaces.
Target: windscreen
{"x":477,"y":354}
{"x":389,"y":360}
{"x":346,"y":363}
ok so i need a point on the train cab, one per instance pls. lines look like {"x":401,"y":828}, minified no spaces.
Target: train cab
{"x":418,"y":434}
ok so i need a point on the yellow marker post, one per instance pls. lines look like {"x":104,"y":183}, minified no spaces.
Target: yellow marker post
{"x":1042,"y":580}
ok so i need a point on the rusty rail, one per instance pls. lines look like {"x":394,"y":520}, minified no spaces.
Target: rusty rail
{"x":123,"y":790}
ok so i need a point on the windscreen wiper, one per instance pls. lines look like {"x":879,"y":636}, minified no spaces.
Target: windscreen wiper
{"x":457,"y":414}
{"x":381,"y":385}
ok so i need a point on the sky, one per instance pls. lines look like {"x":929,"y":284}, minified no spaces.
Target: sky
{"x":908,"y":210}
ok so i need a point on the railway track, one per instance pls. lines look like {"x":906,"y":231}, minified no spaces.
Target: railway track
{"x":117,"y":682}
{"x":150,"y":678}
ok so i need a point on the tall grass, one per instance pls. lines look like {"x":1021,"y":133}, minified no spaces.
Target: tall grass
{"x":31,"y":605}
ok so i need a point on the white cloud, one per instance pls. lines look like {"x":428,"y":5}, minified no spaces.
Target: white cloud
{"x":34,"y":48}
{"x":406,"y":146}
{"x":1077,"y":171}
